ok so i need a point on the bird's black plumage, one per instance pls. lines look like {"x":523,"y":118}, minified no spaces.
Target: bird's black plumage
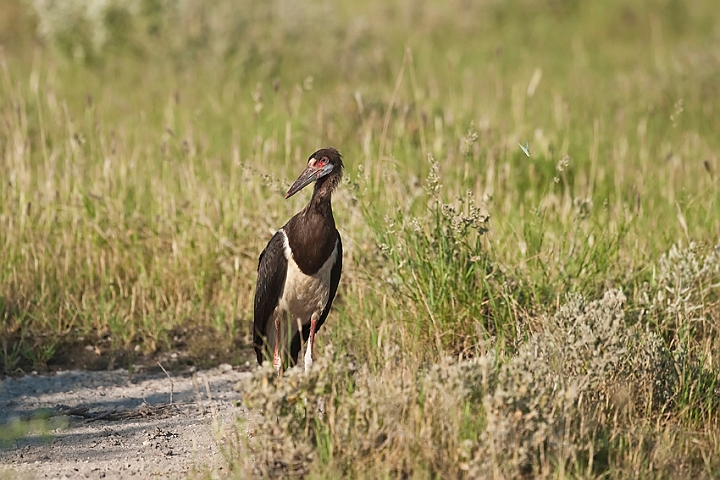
{"x":303,"y":246}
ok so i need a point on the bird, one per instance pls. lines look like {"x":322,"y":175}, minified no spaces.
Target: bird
{"x":299,"y":270}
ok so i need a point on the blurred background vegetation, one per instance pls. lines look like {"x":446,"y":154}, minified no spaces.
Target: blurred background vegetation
{"x":146,"y":144}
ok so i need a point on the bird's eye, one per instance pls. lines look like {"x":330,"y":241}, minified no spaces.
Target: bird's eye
{"x":324,"y":161}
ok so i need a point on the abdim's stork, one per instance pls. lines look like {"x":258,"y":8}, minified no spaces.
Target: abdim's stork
{"x":299,"y":270}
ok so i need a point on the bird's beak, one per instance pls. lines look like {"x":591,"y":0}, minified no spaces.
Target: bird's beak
{"x":311,"y":173}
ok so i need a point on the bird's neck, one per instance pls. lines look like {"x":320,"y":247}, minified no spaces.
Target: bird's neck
{"x":321,"y":204}
{"x":323,"y":191}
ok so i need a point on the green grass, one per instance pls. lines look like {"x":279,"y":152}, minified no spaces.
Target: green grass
{"x":144,"y":157}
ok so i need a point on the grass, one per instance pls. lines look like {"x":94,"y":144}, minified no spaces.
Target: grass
{"x":499,"y":314}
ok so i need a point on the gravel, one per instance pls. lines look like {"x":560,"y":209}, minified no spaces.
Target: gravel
{"x":109,"y":424}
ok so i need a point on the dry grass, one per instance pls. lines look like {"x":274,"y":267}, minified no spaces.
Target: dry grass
{"x":576,"y":399}
{"x":500,"y":315}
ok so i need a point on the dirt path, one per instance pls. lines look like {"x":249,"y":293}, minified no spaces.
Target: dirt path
{"x":110,"y":425}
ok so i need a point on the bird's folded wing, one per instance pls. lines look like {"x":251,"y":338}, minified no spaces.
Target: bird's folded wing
{"x":272,"y":269}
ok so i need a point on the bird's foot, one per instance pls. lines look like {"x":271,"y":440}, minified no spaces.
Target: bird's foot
{"x":277,"y":363}
{"x":311,"y":342}
{"x":308,"y":361}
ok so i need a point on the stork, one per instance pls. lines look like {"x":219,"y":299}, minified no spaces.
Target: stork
{"x":299,"y":270}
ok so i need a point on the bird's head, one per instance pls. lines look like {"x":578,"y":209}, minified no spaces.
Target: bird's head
{"x":324,"y":166}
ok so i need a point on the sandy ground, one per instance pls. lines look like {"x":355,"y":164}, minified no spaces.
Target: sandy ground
{"x":112,"y":425}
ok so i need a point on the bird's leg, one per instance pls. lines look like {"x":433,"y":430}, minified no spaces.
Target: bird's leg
{"x":300,"y":329}
{"x":277,"y":361}
{"x":311,"y":342}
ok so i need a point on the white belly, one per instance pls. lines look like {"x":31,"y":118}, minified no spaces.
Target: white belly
{"x":303,"y":295}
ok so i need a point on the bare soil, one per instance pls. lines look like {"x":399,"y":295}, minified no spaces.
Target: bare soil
{"x":110,"y":424}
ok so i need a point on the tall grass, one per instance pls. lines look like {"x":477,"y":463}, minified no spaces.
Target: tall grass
{"x":499,"y":314}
